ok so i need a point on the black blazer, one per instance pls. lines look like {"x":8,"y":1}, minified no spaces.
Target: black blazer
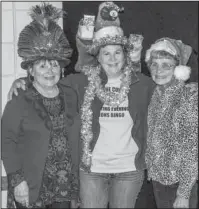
{"x":25,"y":134}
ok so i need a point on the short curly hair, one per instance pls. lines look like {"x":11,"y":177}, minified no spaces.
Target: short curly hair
{"x":160,"y":54}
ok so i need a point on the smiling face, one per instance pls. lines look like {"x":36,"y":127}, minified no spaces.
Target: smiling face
{"x":46,"y":73}
{"x":111,"y":58}
{"x":162,"y":70}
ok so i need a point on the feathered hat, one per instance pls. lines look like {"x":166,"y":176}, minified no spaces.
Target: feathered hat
{"x":43,"y":38}
{"x":176,"y":48}
{"x":107,"y":28}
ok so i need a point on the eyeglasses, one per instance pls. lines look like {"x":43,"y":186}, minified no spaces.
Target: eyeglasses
{"x":164,"y":67}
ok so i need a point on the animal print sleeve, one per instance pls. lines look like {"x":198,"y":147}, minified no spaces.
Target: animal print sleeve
{"x":189,"y":163}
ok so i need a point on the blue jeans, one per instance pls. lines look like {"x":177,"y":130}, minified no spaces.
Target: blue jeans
{"x":166,"y":195}
{"x":120,"y":190}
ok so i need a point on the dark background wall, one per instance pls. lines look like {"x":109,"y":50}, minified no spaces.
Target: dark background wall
{"x":153,"y":20}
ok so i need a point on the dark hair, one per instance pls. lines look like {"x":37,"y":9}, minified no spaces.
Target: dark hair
{"x":30,"y":77}
{"x":31,"y":63}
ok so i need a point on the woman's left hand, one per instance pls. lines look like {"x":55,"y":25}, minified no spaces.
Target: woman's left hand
{"x":181,"y":202}
{"x":75,"y":204}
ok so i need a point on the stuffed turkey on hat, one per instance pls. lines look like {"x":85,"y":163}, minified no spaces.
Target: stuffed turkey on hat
{"x":107,"y":28}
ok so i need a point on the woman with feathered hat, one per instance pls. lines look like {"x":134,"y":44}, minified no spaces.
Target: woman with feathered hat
{"x":39,"y":137}
{"x":114,"y":102}
{"x":172,"y":142}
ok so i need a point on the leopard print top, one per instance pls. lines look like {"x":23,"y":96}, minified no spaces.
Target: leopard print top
{"x":172,"y":142}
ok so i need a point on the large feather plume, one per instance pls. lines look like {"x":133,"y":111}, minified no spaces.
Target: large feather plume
{"x":43,"y":37}
{"x":45,"y":14}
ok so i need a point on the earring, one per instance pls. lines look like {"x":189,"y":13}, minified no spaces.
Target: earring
{"x":30,"y":77}
{"x":62,"y":72}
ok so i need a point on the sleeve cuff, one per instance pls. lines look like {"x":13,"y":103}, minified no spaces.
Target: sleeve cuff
{"x":75,"y":196}
{"x":74,"y":187}
{"x":14,"y":179}
{"x":74,"y":191}
{"x":182,"y":192}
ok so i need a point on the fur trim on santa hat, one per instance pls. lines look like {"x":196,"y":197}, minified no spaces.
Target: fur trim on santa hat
{"x":182,"y":72}
{"x":108,"y":31}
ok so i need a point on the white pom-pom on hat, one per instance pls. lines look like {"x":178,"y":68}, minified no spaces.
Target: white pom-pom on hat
{"x":148,"y":54}
{"x":182,"y":72}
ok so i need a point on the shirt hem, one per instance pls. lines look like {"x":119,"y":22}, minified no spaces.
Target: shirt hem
{"x":111,"y":171}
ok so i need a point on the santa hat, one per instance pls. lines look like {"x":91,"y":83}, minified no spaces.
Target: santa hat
{"x":177,"y":49}
{"x":43,"y":38}
{"x":107,"y":28}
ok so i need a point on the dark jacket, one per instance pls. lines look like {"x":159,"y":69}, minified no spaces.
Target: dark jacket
{"x":139,"y":96}
{"x":25,"y":137}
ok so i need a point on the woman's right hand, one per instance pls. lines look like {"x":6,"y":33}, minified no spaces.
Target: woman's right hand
{"x":21,"y":193}
{"x":19,"y":83}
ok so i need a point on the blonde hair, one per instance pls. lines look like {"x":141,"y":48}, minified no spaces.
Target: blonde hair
{"x":161,"y":54}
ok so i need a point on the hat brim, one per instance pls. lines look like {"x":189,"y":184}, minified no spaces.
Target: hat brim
{"x":97,"y":44}
{"x":63,"y":63}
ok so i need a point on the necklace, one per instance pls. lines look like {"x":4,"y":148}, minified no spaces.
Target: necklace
{"x":53,"y":93}
{"x":109,"y":98}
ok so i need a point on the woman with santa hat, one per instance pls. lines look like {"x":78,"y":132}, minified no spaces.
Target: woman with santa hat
{"x":172,"y":141}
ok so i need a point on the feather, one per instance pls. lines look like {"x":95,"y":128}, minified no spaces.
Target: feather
{"x":45,"y":14}
{"x":43,"y":37}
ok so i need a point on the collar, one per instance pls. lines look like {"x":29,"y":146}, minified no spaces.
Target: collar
{"x":134,"y":78}
{"x":104,"y":78}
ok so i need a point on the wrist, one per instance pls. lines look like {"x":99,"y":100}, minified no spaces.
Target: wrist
{"x":182,"y":195}
{"x":15,"y":178}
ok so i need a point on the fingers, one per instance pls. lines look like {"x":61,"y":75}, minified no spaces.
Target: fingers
{"x":181,"y":203}
{"x":192,"y":87}
{"x":22,"y":84}
{"x":21,"y":189}
{"x":15,"y":92}
{"x":19,"y":83}
{"x":9,"y":97}
{"x":23,"y":87}
{"x":12,"y":91}
{"x":21,"y":193}
{"x":24,"y":200}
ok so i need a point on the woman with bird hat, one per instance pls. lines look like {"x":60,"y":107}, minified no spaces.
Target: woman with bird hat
{"x":39,"y":137}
